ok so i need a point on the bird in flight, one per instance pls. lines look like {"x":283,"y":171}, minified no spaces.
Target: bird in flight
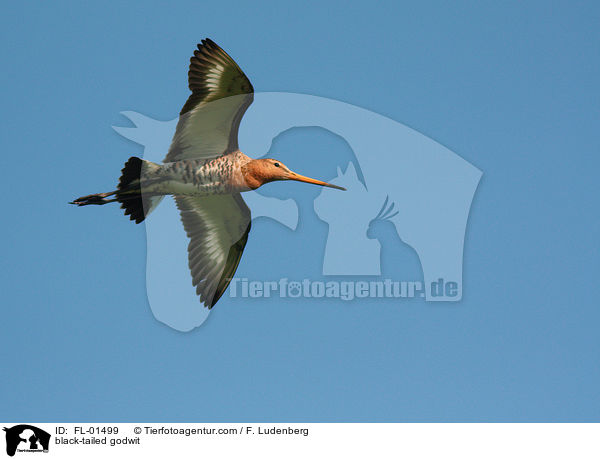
{"x":205,"y":172}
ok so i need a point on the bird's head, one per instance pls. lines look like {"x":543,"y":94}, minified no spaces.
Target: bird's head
{"x":260,"y":171}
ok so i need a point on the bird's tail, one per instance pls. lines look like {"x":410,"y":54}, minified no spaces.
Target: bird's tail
{"x":129,"y":193}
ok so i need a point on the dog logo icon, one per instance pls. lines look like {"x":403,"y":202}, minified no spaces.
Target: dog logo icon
{"x":28,"y":438}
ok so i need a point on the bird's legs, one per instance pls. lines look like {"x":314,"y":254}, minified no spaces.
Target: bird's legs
{"x":98,"y":199}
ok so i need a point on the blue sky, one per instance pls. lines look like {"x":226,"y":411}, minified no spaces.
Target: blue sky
{"x":512,"y":88}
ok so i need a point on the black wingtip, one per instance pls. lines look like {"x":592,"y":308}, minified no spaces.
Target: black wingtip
{"x":215,"y":299}
{"x":207,"y":43}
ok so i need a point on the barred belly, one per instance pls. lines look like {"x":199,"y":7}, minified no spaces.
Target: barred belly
{"x":193,"y":177}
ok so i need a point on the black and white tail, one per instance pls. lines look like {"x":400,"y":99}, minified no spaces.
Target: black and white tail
{"x":129,"y":193}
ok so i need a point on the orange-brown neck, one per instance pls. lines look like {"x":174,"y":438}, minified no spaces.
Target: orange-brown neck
{"x":257,"y":172}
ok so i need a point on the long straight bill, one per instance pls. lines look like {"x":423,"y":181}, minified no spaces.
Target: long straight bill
{"x":302,"y":178}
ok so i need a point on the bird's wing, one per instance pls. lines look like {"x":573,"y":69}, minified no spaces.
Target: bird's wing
{"x":209,"y":121}
{"x":218,"y":228}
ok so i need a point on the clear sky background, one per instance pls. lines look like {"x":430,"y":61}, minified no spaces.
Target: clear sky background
{"x":511,"y":87}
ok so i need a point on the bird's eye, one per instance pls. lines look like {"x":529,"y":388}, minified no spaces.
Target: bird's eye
{"x":276,"y":164}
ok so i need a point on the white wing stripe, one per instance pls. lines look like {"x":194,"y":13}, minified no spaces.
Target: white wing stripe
{"x":209,"y":120}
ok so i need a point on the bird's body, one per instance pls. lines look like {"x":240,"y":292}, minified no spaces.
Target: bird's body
{"x":196,"y":177}
{"x":205,"y":172}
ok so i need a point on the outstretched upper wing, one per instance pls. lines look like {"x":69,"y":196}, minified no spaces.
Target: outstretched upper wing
{"x":218,"y":228}
{"x":209,"y":121}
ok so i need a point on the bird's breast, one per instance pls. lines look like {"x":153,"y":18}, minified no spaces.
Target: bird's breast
{"x":199,"y":177}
